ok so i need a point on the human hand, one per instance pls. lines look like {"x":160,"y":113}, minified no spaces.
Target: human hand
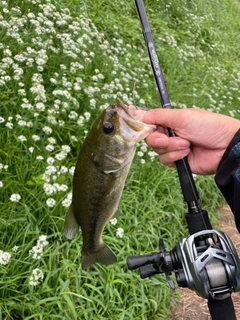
{"x":203,"y":136}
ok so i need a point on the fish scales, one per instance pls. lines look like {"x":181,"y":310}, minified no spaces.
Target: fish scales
{"x":99,"y":178}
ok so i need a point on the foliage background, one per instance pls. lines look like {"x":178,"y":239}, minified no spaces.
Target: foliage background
{"x":60,"y":63}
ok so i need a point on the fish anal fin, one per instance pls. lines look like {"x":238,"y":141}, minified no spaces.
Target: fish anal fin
{"x":71,"y":226}
{"x":104,"y":256}
{"x":118,"y":213}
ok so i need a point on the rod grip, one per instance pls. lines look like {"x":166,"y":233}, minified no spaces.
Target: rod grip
{"x":187,"y":183}
{"x":222,"y":309}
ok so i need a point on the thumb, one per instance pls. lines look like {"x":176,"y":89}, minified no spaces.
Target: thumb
{"x":171,"y":118}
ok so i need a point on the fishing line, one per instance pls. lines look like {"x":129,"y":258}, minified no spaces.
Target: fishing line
{"x":133,"y":92}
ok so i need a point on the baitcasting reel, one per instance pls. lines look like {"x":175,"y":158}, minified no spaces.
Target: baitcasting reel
{"x":205,"y":262}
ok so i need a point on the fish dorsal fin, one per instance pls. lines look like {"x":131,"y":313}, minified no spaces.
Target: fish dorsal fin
{"x":71,"y":225}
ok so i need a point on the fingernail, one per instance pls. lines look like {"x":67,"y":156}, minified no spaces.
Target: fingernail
{"x":183,"y":143}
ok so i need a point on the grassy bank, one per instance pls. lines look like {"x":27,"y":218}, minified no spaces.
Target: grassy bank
{"x":60,"y":64}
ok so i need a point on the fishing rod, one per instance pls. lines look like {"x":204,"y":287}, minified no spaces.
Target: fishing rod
{"x":187,"y":183}
{"x":206,"y":261}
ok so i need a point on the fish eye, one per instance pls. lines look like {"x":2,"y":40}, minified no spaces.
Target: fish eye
{"x":108,"y":127}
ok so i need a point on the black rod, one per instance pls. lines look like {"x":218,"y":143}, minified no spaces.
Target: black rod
{"x":187,"y":183}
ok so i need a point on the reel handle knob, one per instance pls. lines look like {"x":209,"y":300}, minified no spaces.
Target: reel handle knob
{"x":135,"y":262}
{"x":147,"y":271}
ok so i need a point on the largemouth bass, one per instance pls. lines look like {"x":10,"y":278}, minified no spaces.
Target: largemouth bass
{"x":101,"y":170}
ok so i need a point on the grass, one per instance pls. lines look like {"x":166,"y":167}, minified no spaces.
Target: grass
{"x":60,"y":64}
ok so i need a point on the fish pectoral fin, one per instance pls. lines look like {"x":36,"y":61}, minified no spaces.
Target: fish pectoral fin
{"x":104,"y":256}
{"x":107,"y":163}
{"x":71,"y":226}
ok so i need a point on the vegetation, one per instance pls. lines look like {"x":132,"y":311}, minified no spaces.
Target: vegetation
{"x":61,"y":62}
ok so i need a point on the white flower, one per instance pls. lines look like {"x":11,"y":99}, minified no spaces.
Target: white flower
{"x":73,"y":115}
{"x":22,"y":138}
{"x":152,"y":155}
{"x":76,"y":87}
{"x":1,"y":184}
{"x":113,"y":221}
{"x":22,"y":123}
{"x":31,"y":149}
{"x":47,"y":130}
{"x":52,"y":140}
{"x":15,"y":248}
{"x":61,"y":187}
{"x":50,"y":170}
{"x":61,"y":155}
{"x":37,"y":251}
{"x":93,"y":102}
{"x":4,"y":257}
{"x":9,"y":125}
{"x":52,"y":80}
{"x":74,"y":138}
{"x":66,"y":149}
{"x":39,"y":158}
{"x":71,"y":170}
{"x":87,"y":115}
{"x":36,"y":277}
{"x":50,"y":161}
{"x":51,"y":202}
{"x":35,"y":137}
{"x":63,"y":170}
{"x":42,"y":241}
{"x":40,"y":106}
{"x":120,"y":232}
{"x":15,"y":197}
{"x":49,"y":189}
{"x":101,"y":76}
{"x":61,"y":123}
{"x":143,"y":146}
{"x":67,"y":201}
{"x":49,"y":148}
{"x":80,"y":120}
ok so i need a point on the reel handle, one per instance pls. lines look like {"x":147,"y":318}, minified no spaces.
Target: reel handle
{"x":148,"y":271}
{"x":135,"y":262}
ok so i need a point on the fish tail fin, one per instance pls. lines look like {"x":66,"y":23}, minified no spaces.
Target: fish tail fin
{"x":104,"y":256}
{"x":71,"y":225}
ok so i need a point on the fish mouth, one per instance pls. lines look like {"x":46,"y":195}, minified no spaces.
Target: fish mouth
{"x":126,"y":109}
{"x":125,"y":113}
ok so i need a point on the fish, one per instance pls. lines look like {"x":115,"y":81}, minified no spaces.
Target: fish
{"x":99,"y":178}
